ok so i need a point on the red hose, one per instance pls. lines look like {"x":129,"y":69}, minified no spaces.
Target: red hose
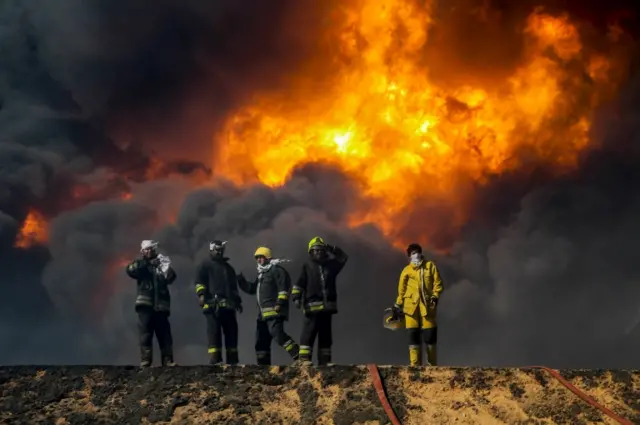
{"x":582,"y":395}
{"x":377,"y":383}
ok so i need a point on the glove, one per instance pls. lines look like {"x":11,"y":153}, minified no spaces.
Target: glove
{"x":330,"y":248}
{"x":155,"y":262}
{"x":433,"y":301}
{"x":277,"y":308}
{"x":201,"y":300}
{"x":239,"y":308}
{"x":397,"y":310}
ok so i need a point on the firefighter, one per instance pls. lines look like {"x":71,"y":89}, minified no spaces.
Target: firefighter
{"x":315,"y":292}
{"x":271,"y":289}
{"x":217,"y":290}
{"x":153,"y":273}
{"x":419,"y":291}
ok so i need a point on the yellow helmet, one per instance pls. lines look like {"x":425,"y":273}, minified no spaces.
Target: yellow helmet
{"x":317,"y":241}
{"x":264,"y":252}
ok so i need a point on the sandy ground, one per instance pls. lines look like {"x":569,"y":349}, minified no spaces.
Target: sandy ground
{"x":340,"y":395}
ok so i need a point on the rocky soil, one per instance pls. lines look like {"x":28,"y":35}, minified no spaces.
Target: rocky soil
{"x":340,"y":395}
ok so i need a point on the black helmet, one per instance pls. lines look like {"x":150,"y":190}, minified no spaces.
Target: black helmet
{"x":217,"y":247}
{"x":413,"y":247}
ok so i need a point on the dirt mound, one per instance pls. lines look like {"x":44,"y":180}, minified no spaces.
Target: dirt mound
{"x":338,"y":395}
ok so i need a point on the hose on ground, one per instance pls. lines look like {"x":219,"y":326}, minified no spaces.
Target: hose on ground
{"x":386,"y":405}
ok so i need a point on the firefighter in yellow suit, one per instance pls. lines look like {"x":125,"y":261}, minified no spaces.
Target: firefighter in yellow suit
{"x":419,"y":291}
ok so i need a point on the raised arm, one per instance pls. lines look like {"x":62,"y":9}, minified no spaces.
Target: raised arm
{"x":171,"y":276}
{"x":133,"y":268}
{"x":340,"y":258}
{"x":165,"y":270}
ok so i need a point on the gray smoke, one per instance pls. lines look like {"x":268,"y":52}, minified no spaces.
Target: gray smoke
{"x":545,"y":273}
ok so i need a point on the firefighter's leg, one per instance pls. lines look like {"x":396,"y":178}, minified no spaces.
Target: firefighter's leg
{"x":308,"y":337}
{"x":263,"y":343}
{"x":230,"y":328}
{"x":412,"y":323}
{"x":325,"y":339}
{"x":145,"y":333}
{"x":214,"y":335}
{"x":430,"y":337}
{"x":162,"y":328}
{"x":276,"y":329}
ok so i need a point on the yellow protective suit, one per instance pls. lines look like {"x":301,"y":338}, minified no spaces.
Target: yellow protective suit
{"x":417,"y":285}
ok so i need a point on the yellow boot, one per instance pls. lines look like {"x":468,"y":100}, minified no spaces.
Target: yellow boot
{"x":432,"y":355}
{"x":415,"y":355}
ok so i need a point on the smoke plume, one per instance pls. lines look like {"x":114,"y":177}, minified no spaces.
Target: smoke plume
{"x":107,"y":110}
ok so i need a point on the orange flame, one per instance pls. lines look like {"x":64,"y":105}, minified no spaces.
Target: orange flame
{"x":404,"y":138}
{"x":34,"y":231}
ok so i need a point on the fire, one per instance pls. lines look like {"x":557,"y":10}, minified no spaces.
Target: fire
{"x":404,"y":138}
{"x":34,"y":231}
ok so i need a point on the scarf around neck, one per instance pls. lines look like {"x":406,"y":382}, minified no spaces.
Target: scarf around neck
{"x":264,"y":268}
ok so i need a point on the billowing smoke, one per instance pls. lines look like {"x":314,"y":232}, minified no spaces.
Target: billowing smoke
{"x":544,"y":271}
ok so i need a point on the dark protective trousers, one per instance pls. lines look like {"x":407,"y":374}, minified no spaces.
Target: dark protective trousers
{"x":152,"y":322}
{"x":429,"y":336}
{"x":268,"y":330}
{"x":223,"y":322}
{"x":318,"y":324}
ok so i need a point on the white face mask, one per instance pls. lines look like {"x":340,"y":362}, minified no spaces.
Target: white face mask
{"x":416,"y":258}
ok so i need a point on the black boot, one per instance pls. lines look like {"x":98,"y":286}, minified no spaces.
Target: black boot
{"x":146,"y":357}
{"x":263,"y":358}
{"x":216,"y":356}
{"x":324,"y":356}
{"x":167,"y":356}
{"x":304,"y":355}
{"x":232,"y":356}
{"x":293,"y":349}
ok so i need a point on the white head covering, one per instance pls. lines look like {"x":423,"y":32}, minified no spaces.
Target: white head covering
{"x":146,"y":244}
{"x":214,"y":245}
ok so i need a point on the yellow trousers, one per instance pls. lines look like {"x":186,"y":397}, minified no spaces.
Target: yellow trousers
{"x":414,"y":323}
{"x":418,"y":321}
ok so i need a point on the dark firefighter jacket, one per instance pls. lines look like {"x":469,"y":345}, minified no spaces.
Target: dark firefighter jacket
{"x":271,"y":289}
{"x":316,"y":286}
{"x":216,"y":280}
{"x":153,"y":289}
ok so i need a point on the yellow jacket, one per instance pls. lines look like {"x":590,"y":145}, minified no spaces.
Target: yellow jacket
{"x":411,"y":293}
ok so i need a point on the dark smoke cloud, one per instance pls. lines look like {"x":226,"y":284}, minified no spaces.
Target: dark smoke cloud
{"x":544,"y":273}
{"x":71,"y":75}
